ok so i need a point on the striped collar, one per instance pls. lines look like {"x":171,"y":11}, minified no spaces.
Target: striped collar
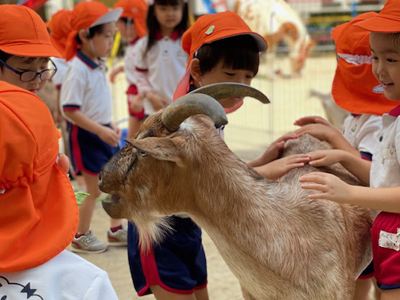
{"x":90,"y":63}
{"x":174,"y":36}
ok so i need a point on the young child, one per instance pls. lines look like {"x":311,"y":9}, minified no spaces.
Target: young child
{"x":383,"y":174}
{"x":221,"y":48}
{"x":86,"y":102}
{"x":39,"y":216}
{"x":160,"y":61}
{"x":356,"y":90}
{"x":132,"y":26}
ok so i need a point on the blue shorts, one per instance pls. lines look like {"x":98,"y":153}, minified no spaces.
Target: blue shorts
{"x":178,"y":264}
{"x":88,"y":152}
{"x":368,"y":272}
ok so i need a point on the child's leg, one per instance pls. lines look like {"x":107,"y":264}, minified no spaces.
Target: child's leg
{"x":201,"y":294}
{"x":390,"y":294}
{"x":134,"y":126}
{"x":161,"y":294}
{"x":363,"y":287}
{"x":87,"y":207}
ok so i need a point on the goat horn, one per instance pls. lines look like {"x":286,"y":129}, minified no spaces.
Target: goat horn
{"x":189,"y":105}
{"x":231,"y":89}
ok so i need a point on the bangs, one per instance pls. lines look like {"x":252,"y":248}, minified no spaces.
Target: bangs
{"x":168,"y":2}
{"x":239,"y":53}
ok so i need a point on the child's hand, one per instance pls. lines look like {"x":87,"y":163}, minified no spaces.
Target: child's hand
{"x":116,"y":129}
{"x":323,"y":158}
{"x":275,"y":149}
{"x":108,"y":135}
{"x":63,"y":162}
{"x":327,"y":186}
{"x":136,"y":102}
{"x":321,"y":131}
{"x":157,"y":101}
{"x":280,"y":167}
{"x":312,"y":120}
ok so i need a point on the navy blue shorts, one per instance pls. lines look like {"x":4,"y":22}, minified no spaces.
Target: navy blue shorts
{"x":88,"y":152}
{"x":178,"y":264}
{"x":368,"y":272}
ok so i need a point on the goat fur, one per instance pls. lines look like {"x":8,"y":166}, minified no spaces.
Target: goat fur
{"x":277,"y":242}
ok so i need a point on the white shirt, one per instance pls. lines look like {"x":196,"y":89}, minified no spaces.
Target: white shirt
{"x":362,"y":131}
{"x":86,"y":88}
{"x":161,"y":69}
{"x":129,"y":62}
{"x":65,"y":277}
{"x":385,"y":168}
{"x":62,"y":68}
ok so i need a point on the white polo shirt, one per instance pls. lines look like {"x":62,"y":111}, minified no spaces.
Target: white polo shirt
{"x":362,"y":131}
{"x":385,"y":168}
{"x":85,"y":88}
{"x":65,"y":277}
{"x":62,"y":68}
{"x":162,"y":68}
{"x":129,"y":62}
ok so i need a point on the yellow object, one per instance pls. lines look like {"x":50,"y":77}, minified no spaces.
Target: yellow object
{"x":114,"y":50}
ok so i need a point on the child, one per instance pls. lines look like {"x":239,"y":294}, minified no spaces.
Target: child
{"x":86,"y":102}
{"x":39,"y":214}
{"x":132,"y":26}
{"x":356,"y":90}
{"x":181,"y":253}
{"x":160,"y":61}
{"x":384,"y":176}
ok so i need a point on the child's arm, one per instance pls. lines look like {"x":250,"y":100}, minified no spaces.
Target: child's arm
{"x":105,"y":133}
{"x":325,"y":131}
{"x":330,"y":187}
{"x":279,"y":167}
{"x":356,"y":165}
{"x":115,"y":72}
{"x":136,"y":102}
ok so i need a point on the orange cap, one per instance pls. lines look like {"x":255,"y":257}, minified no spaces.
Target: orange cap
{"x":39,"y":215}
{"x":388,"y":19}
{"x":23,"y":33}
{"x":354,"y":86}
{"x":135,"y":10}
{"x":60,"y":27}
{"x":85,"y":15}
{"x":210,"y":28}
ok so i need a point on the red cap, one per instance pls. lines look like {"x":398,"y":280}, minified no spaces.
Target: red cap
{"x":388,"y":20}
{"x":39,"y":215}
{"x":135,"y":10}
{"x":85,"y":15}
{"x":60,"y":27}
{"x":23,"y":33}
{"x":354,"y":86}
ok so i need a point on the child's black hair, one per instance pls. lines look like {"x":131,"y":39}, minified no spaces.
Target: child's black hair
{"x":4,"y":56}
{"x":92,"y":32}
{"x":153,"y":25}
{"x":238,"y":52}
{"x":125,"y":20}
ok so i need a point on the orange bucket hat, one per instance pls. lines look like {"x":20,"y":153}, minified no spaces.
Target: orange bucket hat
{"x":354,"y":86}
{"x":39,"y":213}
{"x":135,"y":10}
{"x":84,"y":16}
{"x":388,"y":19}
{"x":60,"y":27}
{"x":210,"y":28}
{"x":23,"y":33}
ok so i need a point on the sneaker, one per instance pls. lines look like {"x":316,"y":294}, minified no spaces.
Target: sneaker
{"x":88,"y":243}
{"x":118,"y":238}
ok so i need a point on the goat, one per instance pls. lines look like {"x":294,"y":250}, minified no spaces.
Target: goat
{"x":276,"y":241}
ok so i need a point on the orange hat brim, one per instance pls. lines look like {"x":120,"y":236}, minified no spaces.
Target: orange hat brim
{"x":31,"y":50}
{"x":381,"y":24}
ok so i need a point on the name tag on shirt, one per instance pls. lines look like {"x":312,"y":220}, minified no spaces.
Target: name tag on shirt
{"x":390,"y":240}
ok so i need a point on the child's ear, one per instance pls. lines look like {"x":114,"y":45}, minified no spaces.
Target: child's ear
{"x":83,"y":35}
{"x":195,"y":69}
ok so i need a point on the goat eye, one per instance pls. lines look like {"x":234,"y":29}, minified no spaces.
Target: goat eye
{"x":142,"y":153}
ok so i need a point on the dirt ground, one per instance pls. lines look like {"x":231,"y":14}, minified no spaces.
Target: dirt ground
{"x":250,"y":130}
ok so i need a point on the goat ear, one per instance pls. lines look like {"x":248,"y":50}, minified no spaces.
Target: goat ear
{"x":160,"y":148}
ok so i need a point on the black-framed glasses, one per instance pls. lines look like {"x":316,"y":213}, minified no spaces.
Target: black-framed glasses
{"x":29,"y":75}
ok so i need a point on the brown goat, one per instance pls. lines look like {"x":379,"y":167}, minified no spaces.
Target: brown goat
{"x":277,"y":242}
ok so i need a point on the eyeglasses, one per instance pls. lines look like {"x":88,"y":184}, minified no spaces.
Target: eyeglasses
{"x":29,"y":75}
